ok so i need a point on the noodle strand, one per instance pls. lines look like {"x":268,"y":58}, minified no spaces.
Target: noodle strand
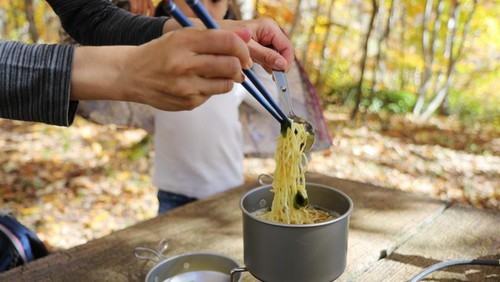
{"x":289,"y":179}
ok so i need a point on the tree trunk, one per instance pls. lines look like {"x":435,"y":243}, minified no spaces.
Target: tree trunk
{"x":452,"y":59}
{"x":296,"y":19}
{"x":255,"y":9}
{"x":444,"y":109}
{"x":402,"y":72}
{"x":423,"y":81}
{"x":16,"y":15}
{"x":310,"y":33}
{"x":328,"y":64}
{"x":324,"y":44}
{"x":359,"y":91}
{"x":428,"y":52}
{"x":236,"y":9}
{"x":382,"y":66}
{"x":380,"y":53}
{"x":30,"y":16}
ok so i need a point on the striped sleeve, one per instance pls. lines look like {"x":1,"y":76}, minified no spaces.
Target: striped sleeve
{"x":98,"y":22}
{"x":35,"y":82}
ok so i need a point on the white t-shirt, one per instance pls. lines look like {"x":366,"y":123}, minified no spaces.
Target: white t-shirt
{"x":200,"y":152}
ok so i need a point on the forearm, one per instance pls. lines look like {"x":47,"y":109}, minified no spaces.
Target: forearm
{"x":97,"y":71}
{"x":35,"y":83}
{"x":98,"y":22}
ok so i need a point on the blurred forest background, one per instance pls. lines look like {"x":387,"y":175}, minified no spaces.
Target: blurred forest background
{"x":409,"y":88}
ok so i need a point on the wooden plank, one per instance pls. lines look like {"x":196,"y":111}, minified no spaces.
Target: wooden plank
{"x":209,"y":225}
{"x":382,"y":219}
{"x":459,"y":233}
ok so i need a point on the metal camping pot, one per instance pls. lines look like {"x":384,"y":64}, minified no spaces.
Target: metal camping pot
{"x":188,"y":267}
{"x":278,"y":252}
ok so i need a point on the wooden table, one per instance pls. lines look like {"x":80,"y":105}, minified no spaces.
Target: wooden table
{"x":392,"y":236}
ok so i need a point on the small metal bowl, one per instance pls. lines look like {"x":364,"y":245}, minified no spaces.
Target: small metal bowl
{"x":199,"y":267}
{"x":192,"y":267}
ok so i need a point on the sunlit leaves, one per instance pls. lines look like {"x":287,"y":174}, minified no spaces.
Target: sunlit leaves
{"x":476,"y":66}
{"x":73,"y":184}
{"x":15,"y":23}
{"x":277,"y":10}
{"x":476,"y":69}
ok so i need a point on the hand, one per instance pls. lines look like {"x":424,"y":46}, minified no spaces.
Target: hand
{"x":269,"y":46}
{"x":142,"y":7}
{"x":178,"y":71}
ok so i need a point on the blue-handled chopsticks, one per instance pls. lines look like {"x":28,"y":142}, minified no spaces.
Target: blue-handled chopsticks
{"x":207,"y":20}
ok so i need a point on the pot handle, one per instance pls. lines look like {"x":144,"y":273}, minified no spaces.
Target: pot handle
{"x":142,"y":253}
{"x":263,"y":177}
{"x":237,"y":270}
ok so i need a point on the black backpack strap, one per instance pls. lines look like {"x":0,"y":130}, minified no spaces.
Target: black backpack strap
{"x":9,"y":256}
{"x":13,"y":234}
{"x":24,"y":240}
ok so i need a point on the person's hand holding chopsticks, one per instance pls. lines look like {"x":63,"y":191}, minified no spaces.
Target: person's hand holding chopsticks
{"x":178,"y":71}
{"x":183,"y":68}
{"x":269,"y":45}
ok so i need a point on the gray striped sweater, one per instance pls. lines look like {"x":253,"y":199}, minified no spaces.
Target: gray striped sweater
{"x":35,"y":79}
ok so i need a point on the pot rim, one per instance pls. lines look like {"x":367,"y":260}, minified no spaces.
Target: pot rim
{"x":170,"y":259}
{"x":340,"y":218}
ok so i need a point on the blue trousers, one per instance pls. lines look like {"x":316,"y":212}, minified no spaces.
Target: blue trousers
{"x":169,"y":201}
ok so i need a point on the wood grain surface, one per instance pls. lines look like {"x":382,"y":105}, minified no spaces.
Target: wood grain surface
{"x":392,"y":236}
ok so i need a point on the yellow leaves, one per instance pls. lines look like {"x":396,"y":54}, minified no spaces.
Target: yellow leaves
{"x":88,"y":133}
{"x":81,"y":182}
{"x":98,"y":220}
{"x":31,"y":210}
{"x":96,"y":148}
{"x":123,"y":176}
{"x":15,"y":21}
{"x":51,"y":198}
{"x":69,"y":196}
{"x":414,"y":158}
{"x":276,"y":10}
{"x":323,"y":25}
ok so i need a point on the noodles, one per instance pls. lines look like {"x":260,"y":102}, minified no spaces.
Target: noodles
{"x":289,"y":181}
